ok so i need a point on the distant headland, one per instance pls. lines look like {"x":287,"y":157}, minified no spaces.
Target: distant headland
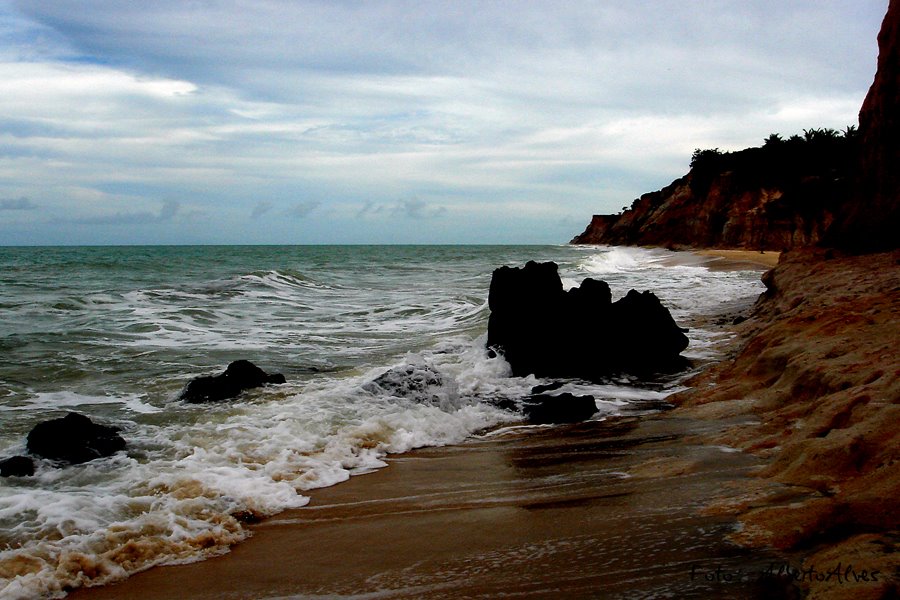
{"x":824,"y":187}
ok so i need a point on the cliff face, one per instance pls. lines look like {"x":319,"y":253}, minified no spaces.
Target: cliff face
{"x":822,"y":189}
{"x":871,"y":220}
{"x":726,"y":212}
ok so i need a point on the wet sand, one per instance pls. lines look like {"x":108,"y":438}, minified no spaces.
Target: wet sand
{"x":608,"y":509}
{"x":736,"y":259}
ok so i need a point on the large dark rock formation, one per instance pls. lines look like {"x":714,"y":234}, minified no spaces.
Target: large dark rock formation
{"x":74,"y":439}
{"x":871,"y":220}
{"x":542,"y":330}
{"x":239,"y":376}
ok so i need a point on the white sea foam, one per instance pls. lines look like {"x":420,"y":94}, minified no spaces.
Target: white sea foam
{"x":121,"y":350}
{"x":179,"y":484}
{"x":66,"y":399}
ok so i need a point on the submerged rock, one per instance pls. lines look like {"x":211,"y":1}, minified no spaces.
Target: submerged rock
{"x":417,"y":382}
{"x":564,"y":408}
{"x":74,"y":439}
{"x":17,"y":466}
{"x":239,"y":376}
{"x":542,"y":330}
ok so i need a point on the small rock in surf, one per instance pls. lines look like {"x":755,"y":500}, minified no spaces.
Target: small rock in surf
{"x":17,"y":466}
{"x":239,"y":376}
{"x":417,"y":382}
{"x":74,"y":439}
{"x":564,"y":408}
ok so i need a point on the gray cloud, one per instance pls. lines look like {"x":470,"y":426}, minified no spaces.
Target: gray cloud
{"x":261,"y":208}
{"x":616,"y":51}
{"x":370,"y":208}
{"x":166,"y":213}
{"x":412,"y":208}
{"x":417,"y":209}
{"x":490,"y":107}
{"x":22,"y":203}
{"x":302,"y":209}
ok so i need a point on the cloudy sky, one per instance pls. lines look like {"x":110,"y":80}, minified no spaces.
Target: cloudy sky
{"x":351,"y":121}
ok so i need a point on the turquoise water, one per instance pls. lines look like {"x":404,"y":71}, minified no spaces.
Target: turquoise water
{"x":116,"y":332}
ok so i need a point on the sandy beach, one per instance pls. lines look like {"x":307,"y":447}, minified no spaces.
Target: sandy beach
{"x":600,"y":509}
{"x":736,"y":259}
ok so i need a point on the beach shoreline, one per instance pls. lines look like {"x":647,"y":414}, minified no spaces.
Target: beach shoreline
{"x":547,"y":512}
{"x":602,"y":508}
{"x":739,"y":258}
{"x":581,"y":497}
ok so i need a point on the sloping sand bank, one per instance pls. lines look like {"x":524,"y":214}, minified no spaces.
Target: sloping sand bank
{"x":741,"y":258}
{"x":818,"y":367}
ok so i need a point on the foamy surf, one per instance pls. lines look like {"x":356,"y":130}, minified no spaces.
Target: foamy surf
{"x":119,"y":343}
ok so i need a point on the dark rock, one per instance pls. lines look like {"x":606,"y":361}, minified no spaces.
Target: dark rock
{"x":239,"y":376}
{"x":417,"y":382}
{"x":17,"y":466}
{"x":564,"y":408}
{"x":74,"y":439}
{"x":523,"y":303}
{"x":643,"y":334}
{"x":542,"y":330}
{"x":507,"y":404}
{"x":248,"y":517}
{"x":547,"y":387}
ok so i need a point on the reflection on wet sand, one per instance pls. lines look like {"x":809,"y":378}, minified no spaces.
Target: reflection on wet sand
{"x":606,"y":509}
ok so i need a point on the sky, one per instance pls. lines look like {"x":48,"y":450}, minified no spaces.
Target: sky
{"x":388,"y":121}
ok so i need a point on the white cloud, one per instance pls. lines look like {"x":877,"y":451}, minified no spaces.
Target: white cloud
{"x":452,"y":104}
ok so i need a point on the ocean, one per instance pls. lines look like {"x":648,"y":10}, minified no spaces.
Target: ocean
{"x":115,"y":333}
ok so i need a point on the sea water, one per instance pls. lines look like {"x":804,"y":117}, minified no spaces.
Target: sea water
{"x":116,"y":332}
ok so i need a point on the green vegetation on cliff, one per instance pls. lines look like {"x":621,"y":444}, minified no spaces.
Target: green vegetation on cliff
{"x":779,"y":162}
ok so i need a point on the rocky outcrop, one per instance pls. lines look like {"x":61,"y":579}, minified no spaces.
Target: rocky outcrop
{"x":17,"y":466}
{"x":416,"y":382}
{"x":870,"y":222}
{"x":74,"y":439}
{"x":542,"y":330}
{"x":239,"y":376}
{"x":817,"y":375}
{"x":739,"y":201}
{"x":563,"y":408}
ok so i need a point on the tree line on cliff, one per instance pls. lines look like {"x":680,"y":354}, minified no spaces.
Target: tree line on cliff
{"x":780,"y":161}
